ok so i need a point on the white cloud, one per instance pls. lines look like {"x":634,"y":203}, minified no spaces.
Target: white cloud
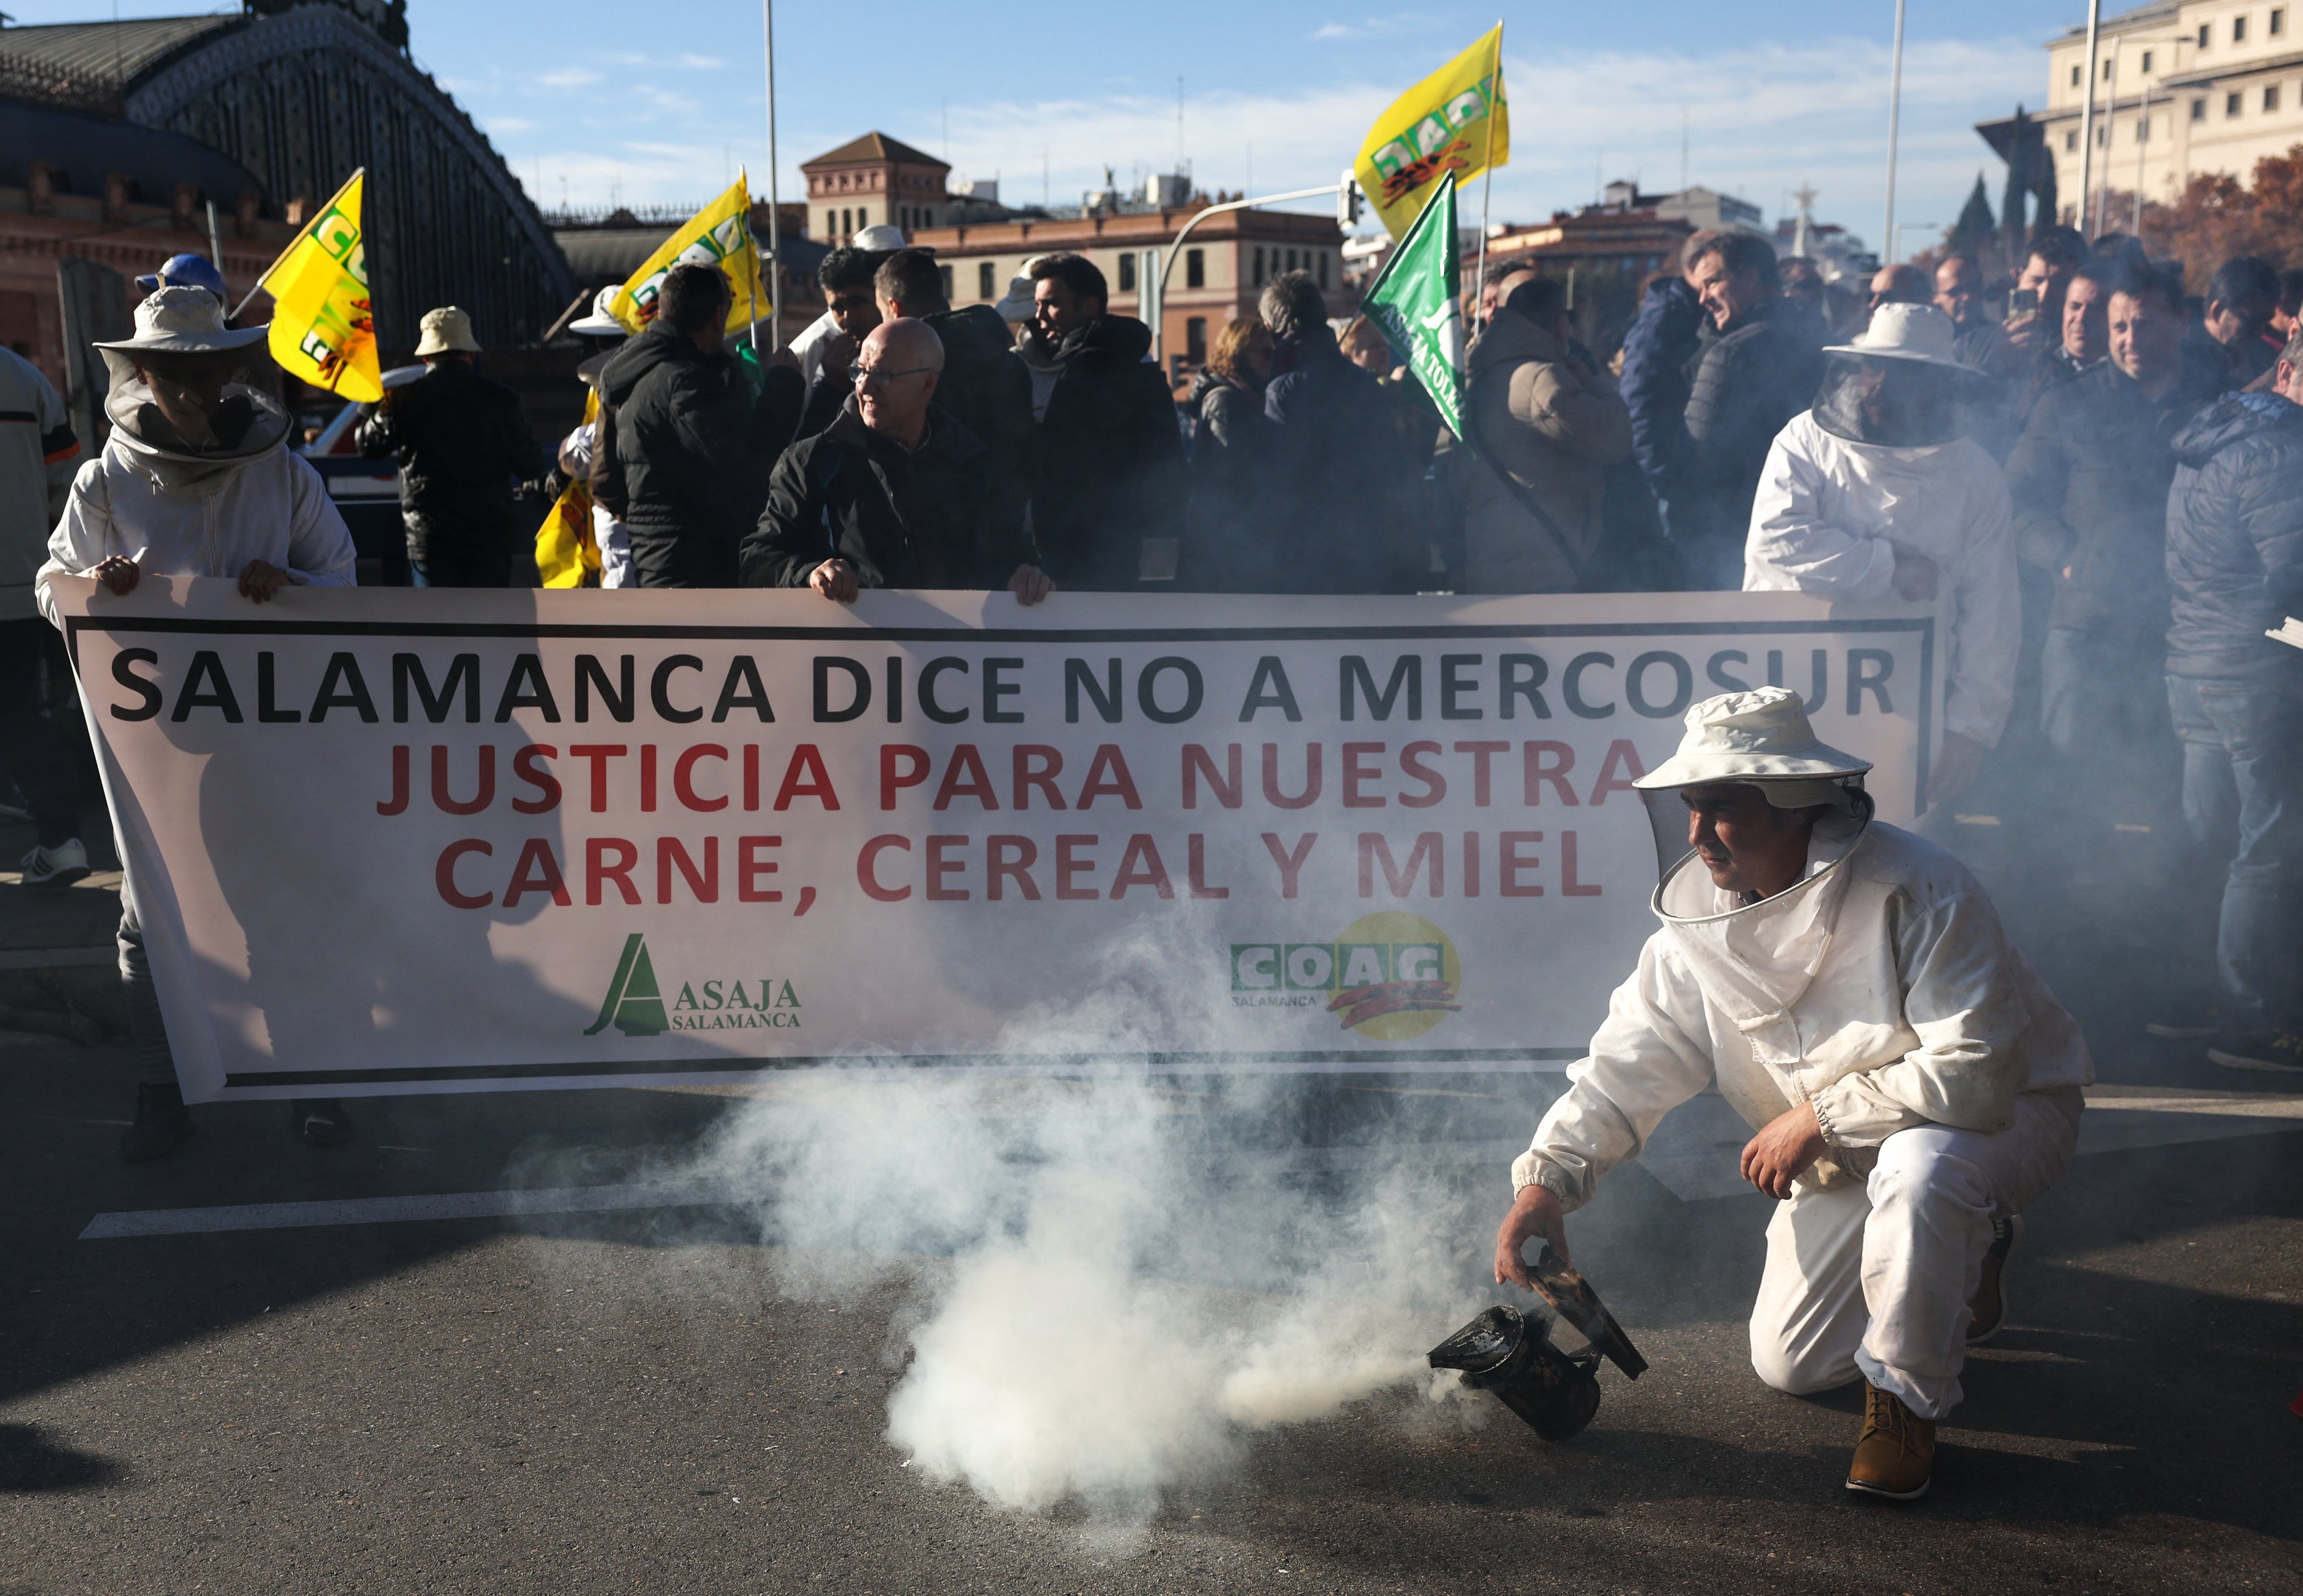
{"x":702,"y":62}
{"x":1761,"y":121}
{"x":568,"y":76}
{"x":1398,"y":22}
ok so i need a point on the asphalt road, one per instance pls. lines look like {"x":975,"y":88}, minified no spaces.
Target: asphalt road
{"x":580,"y":1402}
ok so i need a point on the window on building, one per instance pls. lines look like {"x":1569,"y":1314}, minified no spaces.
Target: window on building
{"x":1323,"y":269}
{"x":1195,"y":340}
{"x":847,"y":222}
{"x":2106,"y":69}
{"x":2230,"y":105}
{"x":2278,"y":24}
{"x":987,"y":281}
{"x":2075,"y":75}
{"x":2239,"y":30}
{"x":1196,"y":268}
{"x":2198,"y":111}
{"x":2071,"y":139}
{"x":2147,"y":60}
{"x":1127,"y":272}
{"x":863,"y":217}
{"x":1291,"y":260}
{"x":831,"y":225}
{"x":2271,"y":97}
{"x":945,"y":273}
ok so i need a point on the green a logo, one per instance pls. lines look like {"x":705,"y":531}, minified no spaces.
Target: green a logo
{"x":633,"y":1003}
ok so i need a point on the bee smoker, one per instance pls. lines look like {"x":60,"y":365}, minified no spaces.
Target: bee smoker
{"x":1506,"y":1352}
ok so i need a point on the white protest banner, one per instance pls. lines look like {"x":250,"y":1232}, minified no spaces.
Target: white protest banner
{"x":390,"y":840}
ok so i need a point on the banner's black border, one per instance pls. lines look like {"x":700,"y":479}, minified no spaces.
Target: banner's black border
{"x":1181,"y":1062}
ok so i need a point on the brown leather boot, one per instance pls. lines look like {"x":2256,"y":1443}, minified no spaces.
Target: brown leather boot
{"x":1897,"y":1449}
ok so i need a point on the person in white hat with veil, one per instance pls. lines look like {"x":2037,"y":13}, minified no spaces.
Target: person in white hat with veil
{"x":197,"y":480}
{"x":1877,"y":490}
{"x":1912,"y":1083}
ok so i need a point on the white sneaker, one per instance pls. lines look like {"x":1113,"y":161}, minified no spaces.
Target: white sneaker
{"x":59,"y":866}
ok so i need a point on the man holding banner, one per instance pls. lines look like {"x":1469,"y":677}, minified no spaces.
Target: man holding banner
{"x":197,"y":480}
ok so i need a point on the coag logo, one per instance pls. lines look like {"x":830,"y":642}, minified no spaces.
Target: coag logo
{"x":634,"y":1004}
{"x":1391,"y":976}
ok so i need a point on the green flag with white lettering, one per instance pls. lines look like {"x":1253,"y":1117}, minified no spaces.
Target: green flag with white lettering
{"x":1417,"y":302}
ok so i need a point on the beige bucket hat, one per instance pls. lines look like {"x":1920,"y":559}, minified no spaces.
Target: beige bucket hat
{"x":447,"y":331}
{"x":1762,"y":735}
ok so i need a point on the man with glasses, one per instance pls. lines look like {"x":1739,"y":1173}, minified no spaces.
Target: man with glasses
{"x":893,"y":493}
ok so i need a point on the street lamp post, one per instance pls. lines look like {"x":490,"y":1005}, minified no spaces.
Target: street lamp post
{"x":2087,"y":112}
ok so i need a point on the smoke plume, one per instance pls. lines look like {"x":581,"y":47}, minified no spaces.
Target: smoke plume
{"x":1142,"y":1272}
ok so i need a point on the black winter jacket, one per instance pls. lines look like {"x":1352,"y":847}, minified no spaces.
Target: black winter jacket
{"x":683,"y":455}
{"x":1343,"y":479}
{"x":1110,"y":458}
{"x":1744,"y":381}
{"x":1656,"y":350}
{"x":2090,"y":479}
{"x":927,"y":519}
{"x":2235,"y":539}
{"x":1231,"y":453}
{"x":462,"y":441}
{"x":987,"y":391}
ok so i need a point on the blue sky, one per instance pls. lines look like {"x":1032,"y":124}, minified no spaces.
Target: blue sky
{"x":1773,"y":94}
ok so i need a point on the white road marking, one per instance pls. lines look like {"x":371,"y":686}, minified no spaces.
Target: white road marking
{"x":400,"y":1210}
{"x":1692,"y":1153}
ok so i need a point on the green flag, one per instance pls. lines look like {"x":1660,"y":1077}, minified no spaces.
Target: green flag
{"x":1417,"y":304}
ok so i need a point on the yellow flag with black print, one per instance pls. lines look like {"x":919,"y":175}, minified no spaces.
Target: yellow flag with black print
{"x":1454,"y":125}
{"x":718,"y":235}
{"x":323,"y":329}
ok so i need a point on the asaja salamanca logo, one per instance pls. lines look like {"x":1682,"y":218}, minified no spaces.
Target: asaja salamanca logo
{"x":1391,"y":976}
{"x":634,"y":1004}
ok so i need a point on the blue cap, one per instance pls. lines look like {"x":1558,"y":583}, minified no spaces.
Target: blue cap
{"x":184,"y":271}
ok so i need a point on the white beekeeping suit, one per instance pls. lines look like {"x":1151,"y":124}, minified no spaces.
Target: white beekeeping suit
{"x":1881,"y":990}
{"x":1879,"y":467}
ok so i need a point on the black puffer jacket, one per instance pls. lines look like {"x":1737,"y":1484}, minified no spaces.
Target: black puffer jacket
{"x":1110,"y":458}
{"x":1744,"y":381}
{"x":1231,"y":454}
{"x":988,"y":391}
{"x":2235,"y":539}
{"x":683,"y":455}
{"x":2089,"y":479}
{"x":1655,"y":354}
{"x":462,"y":441}
{"x":927,"y":519}
{"x":1342,"y":479}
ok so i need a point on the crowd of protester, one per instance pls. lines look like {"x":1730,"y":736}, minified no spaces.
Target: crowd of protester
{"x":2102,"y":488}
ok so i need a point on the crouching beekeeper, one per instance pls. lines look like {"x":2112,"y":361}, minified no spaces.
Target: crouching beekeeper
{"x":1913,"y":1083}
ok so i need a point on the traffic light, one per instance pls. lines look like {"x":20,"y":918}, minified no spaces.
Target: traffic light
{"x":1351,"y":205}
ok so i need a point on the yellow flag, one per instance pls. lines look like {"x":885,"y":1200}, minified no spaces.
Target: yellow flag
{"x":1454,"y":124}
{"x":322,"y":329}
{"x":720,"y":235}
{"x":567,"y":554}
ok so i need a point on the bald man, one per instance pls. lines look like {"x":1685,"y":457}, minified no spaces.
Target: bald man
{"x":894,"y":493}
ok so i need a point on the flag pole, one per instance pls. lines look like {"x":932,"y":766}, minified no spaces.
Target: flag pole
{"x":286,"y":249}
{"x":1488,"y":171}
{"x":751,"y":277}
{"x":775,"y":241}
